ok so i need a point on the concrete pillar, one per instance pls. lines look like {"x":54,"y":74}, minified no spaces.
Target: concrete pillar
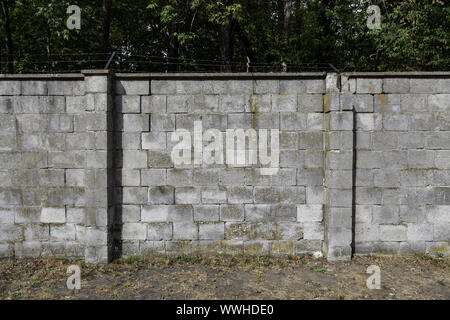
{"x":338,"y":167}
{"x":98,"y":122}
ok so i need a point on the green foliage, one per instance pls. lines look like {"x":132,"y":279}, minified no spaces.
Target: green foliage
{"x":149,"y":35}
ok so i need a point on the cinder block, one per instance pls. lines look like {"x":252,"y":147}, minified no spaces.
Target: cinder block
{"x":135,"y":195}
{"x":439,"y":102}
{"x":310,"y":103}
{"x":206,"y":213}
{"x":266,"y":86}
{"x":214,"y":195}
{"x":7,"y":215}
{"x":185,"y":231}
{"x":259,"y":212}
{"x":129,"y":178}
{"x":423,"y":122}
{"x":154,"y":177}
{"x":259,"y":103}
{"x":420,"y":159}
{"x":315,"y":86}
{"x":159,"y":231}
{"x":339,"y":178}
{"x":340,"y":198}
{"x":266,"y":195}
{"x":363,"y":102}
{"x":309,"y":177}
{"x":420,"y":232}
{"x":284,"y":212}
{"x":154,"y":140}
{"x":62,"y":232}
{"x":290,"y":231}
{"x":292,"y":121}
{"x":443,"y":159}
{"x":132,"y":87}
{"x":313,"y":231}
{"x":231,"y":212}
{"x":366,"y":232}
{"x":154,"y":104}
{"x":292,"y":86}
{"x":315,"y":121}
{"x":34,"y":88}
{"x":284,"y":103}
{"x":75,"y":177}
{"x":27,"y":249}
{"x":128,"y":104}
{"x":134,"y":159}
{"x":75,"y":104}
{"x":187,"y":195}
{"x":211,"y":231}
{"x":11,"y":232}
{"x":292,"y":195}
{"x":393,"y":233}
{"x":161,"y":195}
{"x":396,"y":85}
{"x":155,"y":213}
{"x":137,"y":122}
{"x":305,"y":246}
{"x":386,"y":178}
{"x":53,"y":215}
{"x":315,"y":195}
{"x":341,"y":121}
{"x":369,"y":85}
{"x":134,"y":231}
{"x":239,"y":195}
{"x":309,"y":213}
{"x":10,"y":88}
{"x":179,"y":104}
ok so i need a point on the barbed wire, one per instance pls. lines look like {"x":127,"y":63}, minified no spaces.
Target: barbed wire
{"x":129,"y":62}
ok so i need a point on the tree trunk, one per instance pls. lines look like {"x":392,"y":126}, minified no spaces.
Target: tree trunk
{"x":8,"y":36}
{"x":226,"y":41}
{"x":287,"y":23}
{"x":106,"y":6}
{"x":172,"y":53}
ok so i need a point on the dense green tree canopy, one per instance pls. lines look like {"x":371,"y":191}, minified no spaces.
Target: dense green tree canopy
{"x":224,"y":35}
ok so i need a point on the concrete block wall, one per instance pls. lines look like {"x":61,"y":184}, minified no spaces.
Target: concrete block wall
{"x":86,"y":168}
{"x":402,"y":185}
{"x":43,"y":152}
{"x":170,"y":208}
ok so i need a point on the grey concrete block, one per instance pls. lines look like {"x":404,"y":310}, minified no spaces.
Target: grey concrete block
{"x":134,"y":231}
{"x":310,"y":103}
{"x":396,"y":85}
{"x":154,"y":104}
{"x":393,"y":232}
{"x":161,"y":195}
{"x":231,"y":212}
{"x":10,"y":88}
{"x":211,"y":231}
{"x":284,"y":103}
{"x":185,"y":231}
{"x":132,"y":87}
{"x":187,"y":195}
{"x":369,"y":85}
{"x":259,"y":212}
{"x":53,"y":215}
{"x":340,"y":121}
{"x":214,"y":195}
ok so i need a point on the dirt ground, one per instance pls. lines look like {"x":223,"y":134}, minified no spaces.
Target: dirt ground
{"x":191,"y":277}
